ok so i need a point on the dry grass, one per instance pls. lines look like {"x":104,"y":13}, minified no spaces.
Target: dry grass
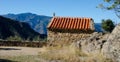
{"x":70,"y":54}
{"x":57,"y":54}
{"x":22,"y":58}
{"x":66,"y":53}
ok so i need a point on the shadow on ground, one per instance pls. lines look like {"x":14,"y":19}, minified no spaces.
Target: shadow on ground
{"x":9,"y":49}
{"x":5,"y":60}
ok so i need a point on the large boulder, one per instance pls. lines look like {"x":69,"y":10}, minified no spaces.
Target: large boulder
{"x":92,"y":44}
{"x":100,"y":43}
{"x":111,"y":48}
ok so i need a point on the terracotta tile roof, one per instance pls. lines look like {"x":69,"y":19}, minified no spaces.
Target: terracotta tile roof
{"x":70,"y":23}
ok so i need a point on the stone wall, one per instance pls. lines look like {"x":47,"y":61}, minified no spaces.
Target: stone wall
{"x":64,"y":37}
{"x":22,"y":44}
{"x":92,"y":25}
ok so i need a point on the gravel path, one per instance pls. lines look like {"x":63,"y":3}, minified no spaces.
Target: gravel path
{"x":18,"y":51}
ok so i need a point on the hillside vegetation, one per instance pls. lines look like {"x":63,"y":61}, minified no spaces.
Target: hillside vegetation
{"x":11,"y":28}
{"x":37,"y":22}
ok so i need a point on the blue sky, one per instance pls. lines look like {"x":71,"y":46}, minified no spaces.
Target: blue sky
{"x":68,"y":8}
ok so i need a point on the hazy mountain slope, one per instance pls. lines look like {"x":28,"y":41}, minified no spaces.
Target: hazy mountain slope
{"x":10,"y":27}
{"x":37,"y":22}
{"x":98,"y":27}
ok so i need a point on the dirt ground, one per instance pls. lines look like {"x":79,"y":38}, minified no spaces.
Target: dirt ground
{"x":21,"y":54}
{"x":18,"y":51}
{"x":29,"y":54}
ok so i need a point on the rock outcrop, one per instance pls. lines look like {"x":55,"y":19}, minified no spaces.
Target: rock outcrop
{"x":92,"y":44}
{"x":111,"y":48}
{"x":106,"y":44}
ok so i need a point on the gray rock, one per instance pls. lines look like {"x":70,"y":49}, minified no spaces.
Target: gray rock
{"x":111,"y":48}
{"x":99,"y":43}
{"x":92,"y":44}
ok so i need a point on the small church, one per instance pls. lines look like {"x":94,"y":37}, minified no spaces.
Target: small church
{"x":69,"y":29}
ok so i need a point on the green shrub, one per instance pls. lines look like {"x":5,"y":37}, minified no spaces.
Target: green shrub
{"x":12,"y":38}
{"x":36,"y":38}
{"x":108,"y":25}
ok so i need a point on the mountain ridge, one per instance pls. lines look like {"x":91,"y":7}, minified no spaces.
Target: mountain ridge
{"x":37,"y":22}
{"x":9,"y":27}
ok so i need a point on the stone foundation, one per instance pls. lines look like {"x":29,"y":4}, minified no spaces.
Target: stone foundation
{"x":65,"y":38}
